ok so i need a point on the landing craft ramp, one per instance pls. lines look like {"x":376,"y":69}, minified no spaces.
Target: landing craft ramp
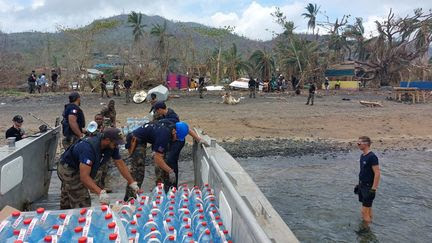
{"x":25,"y":171}
{"x":247,"y":212}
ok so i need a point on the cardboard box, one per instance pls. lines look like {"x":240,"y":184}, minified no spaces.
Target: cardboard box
{"x":6,"y":212}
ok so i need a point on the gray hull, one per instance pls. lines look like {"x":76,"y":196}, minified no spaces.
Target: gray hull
{"x":245,"y":210}
{"x":25,"y":171}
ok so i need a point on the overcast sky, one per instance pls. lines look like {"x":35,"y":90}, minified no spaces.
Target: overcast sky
{"x":250,"y":18}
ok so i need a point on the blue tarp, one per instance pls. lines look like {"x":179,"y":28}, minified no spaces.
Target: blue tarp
{"x":424,"y":85}
{"x":103,"y":65}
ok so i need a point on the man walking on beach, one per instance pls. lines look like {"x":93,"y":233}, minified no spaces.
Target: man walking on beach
{"x":103,"y":84}
{"x":369,"y":178}
{"x":32,"y":82}
{"x":252,"y":87}
{"x":311,"y":94}
{"x":127,"y":83}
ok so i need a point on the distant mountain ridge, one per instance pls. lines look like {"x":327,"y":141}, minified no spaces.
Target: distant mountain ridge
{"x":32,"y":44}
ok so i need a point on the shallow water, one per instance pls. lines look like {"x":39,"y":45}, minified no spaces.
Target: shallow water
{"x":314,"y":196}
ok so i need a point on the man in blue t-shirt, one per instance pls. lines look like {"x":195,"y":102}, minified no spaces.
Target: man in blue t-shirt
{"x":369,"y":178}
{"x":79,"y":165}
{"x":73,"y":122}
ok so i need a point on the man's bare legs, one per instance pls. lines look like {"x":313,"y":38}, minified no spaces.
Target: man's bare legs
{"x":367,"y":214}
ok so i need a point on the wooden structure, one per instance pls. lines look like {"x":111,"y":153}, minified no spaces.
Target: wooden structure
{"x":415,"y":94}
{"x":370,"y":103}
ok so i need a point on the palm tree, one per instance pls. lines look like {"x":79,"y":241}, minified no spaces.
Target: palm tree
{"x":263,"y":62}
{"x":235,"y":64}
{"x":312,"y":12}
{"x":356,"y":32}
{"x":134,"y":19}
{"x":161,"y":33}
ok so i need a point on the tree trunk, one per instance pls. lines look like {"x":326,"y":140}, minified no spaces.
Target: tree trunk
{"x":218,"y":65}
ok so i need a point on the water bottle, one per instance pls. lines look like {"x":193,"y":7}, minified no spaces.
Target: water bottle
{"x":172,"y":221}
{"x":132,"y":226}
{"x":209,"y":208}
{"x":141,"y":220}
{"x":153,"y":239}
{"x":153,"y":234}
{"x":197,"y":220}
{"x":48,"y":238}
{"x":35,"y":231}
{"x":184,"y":230}
{"x":168,"y":212}
{"x":77,"y":234}
{"x":157,"y":218}
{"x":184,"y":213}
{"x":112,"y":237}
{"x":6,"y":229}
{"x":187,"y":238}
{"x":211,"y":199}
{"x":16,"y":234}
{"x":205,"y":237}
{"x":170,"y":232}
{"x":199,"y":229}
{"x":170,"y":238}
{"x":213,"y":214}
{"x":216,"y":229}
{"x":183,"y":223}
{"x":149,"y":226}
{"x":197,"y":209}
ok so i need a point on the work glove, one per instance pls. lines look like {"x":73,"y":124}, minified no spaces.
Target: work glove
{"x":356,"y":189}
{"x":134,"y":186}
{"x":103,"y":197}
{"x":172,"y":176}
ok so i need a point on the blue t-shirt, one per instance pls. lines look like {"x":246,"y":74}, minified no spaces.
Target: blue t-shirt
{"x":73,"y":109}
{"x":158,"y":136}
{"x":83,"y":152}
{"x":171,"y":116}
{"x":366,"y":175}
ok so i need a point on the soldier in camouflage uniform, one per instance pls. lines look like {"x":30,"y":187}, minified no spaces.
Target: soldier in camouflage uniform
{"x":80,"y":163}
{"x":137,"y":168}
{"x":109,"y":114}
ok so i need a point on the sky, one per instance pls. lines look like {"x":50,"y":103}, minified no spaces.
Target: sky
{"x":250,"y":18}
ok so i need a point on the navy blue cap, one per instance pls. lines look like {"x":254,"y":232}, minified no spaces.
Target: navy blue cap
{"x":159,"y":105}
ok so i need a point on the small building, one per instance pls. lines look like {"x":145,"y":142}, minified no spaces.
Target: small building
{"x":344,"y":74}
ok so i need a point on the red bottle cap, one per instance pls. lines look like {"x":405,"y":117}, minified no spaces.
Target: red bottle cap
{"x":154,"y":213}
{"x":171,"y":238}
{"x":214,"y":211}
{"x":171,"y":208}
{"x":133,"y":231}
{"x":186,"y":212}
{"x":206,"y":185}
{"x":157,"y":201}
{"x":155,"y":206}
{"x":141,"y":203}
{"x":220,"y":223}
{"x":217,"y":217}
{"x":40,"y":210}
{"x":78,"y":229}
{"x":56,"y":226}
{"x":201,"y":217}
{"x":168,"y":220}
{"x":158,"y":197}
{"x":153,"y":236}
{"x":171,"y":228}
{"x":138,"y":215}
{"x":189,"y":234}
{"x":108,"y":216}
{"x":16,"y":232}
{"x":225,"y":232}
{"x":62,"y":216}
{"x":81,"y":220}
{"x":171,"y":213}
{"x":113,"y":236}
{"x":16,"y":214}
{"x":184,"y":206}
{"x":111,"y":225}
{"x":204,"y":223}
{"x":207,"y":232}
{"x":124,"y":212}
{"x":48,"y":238}
{"x":201,"y":210}
{"x":150,"y":220}
{"x":83,"y":211}
{"x":143,"y":197}
{"x":172,"y":197}
{"x":139,"y":209}
{"x":172,"y":202}
{"x":104,"y":208}
{"x":159,"y":192}
{"x":27,"y":221}
{"x":132,"y":201}
{"x":133,"y":222}
{"x":82,"y":239}
{"x":18,"y":241}
{"x":153,"y":229}
{"x":187,"y":226}
{"x":185,"y":219}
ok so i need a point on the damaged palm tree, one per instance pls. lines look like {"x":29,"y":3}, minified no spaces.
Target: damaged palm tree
{"x":401,"y":44}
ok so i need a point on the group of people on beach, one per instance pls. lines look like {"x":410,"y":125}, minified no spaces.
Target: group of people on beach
{"x":40,"y":82}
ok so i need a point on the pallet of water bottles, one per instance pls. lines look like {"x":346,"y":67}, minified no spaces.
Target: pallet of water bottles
{"x":182,"y":215}
{"x":134,"y":123}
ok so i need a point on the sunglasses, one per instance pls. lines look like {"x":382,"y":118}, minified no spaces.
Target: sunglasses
{"x":362,"y":143}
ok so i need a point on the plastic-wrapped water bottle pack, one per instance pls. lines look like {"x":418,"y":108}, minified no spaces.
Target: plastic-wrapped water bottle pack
{"x":183,"y":215}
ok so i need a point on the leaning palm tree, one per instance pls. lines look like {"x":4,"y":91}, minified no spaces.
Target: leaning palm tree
{"x":134,"y":20}
{"x":264,"y":63}
{"x":312,"y":12}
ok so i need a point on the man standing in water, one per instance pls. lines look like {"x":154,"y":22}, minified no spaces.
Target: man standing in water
{"x":369,"y":178}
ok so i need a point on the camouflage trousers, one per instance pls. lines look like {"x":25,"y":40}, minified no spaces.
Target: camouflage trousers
{"x":128,"y":95}
{"x":104,"y":90}
{"x":137,"y":168}
{"x":171,"y":158}
{"x":73,"y":192}
{"x":101,"y":175}
{"x":68,"y":141}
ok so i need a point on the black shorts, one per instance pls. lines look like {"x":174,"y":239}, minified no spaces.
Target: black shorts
{"x":365,"y":197}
